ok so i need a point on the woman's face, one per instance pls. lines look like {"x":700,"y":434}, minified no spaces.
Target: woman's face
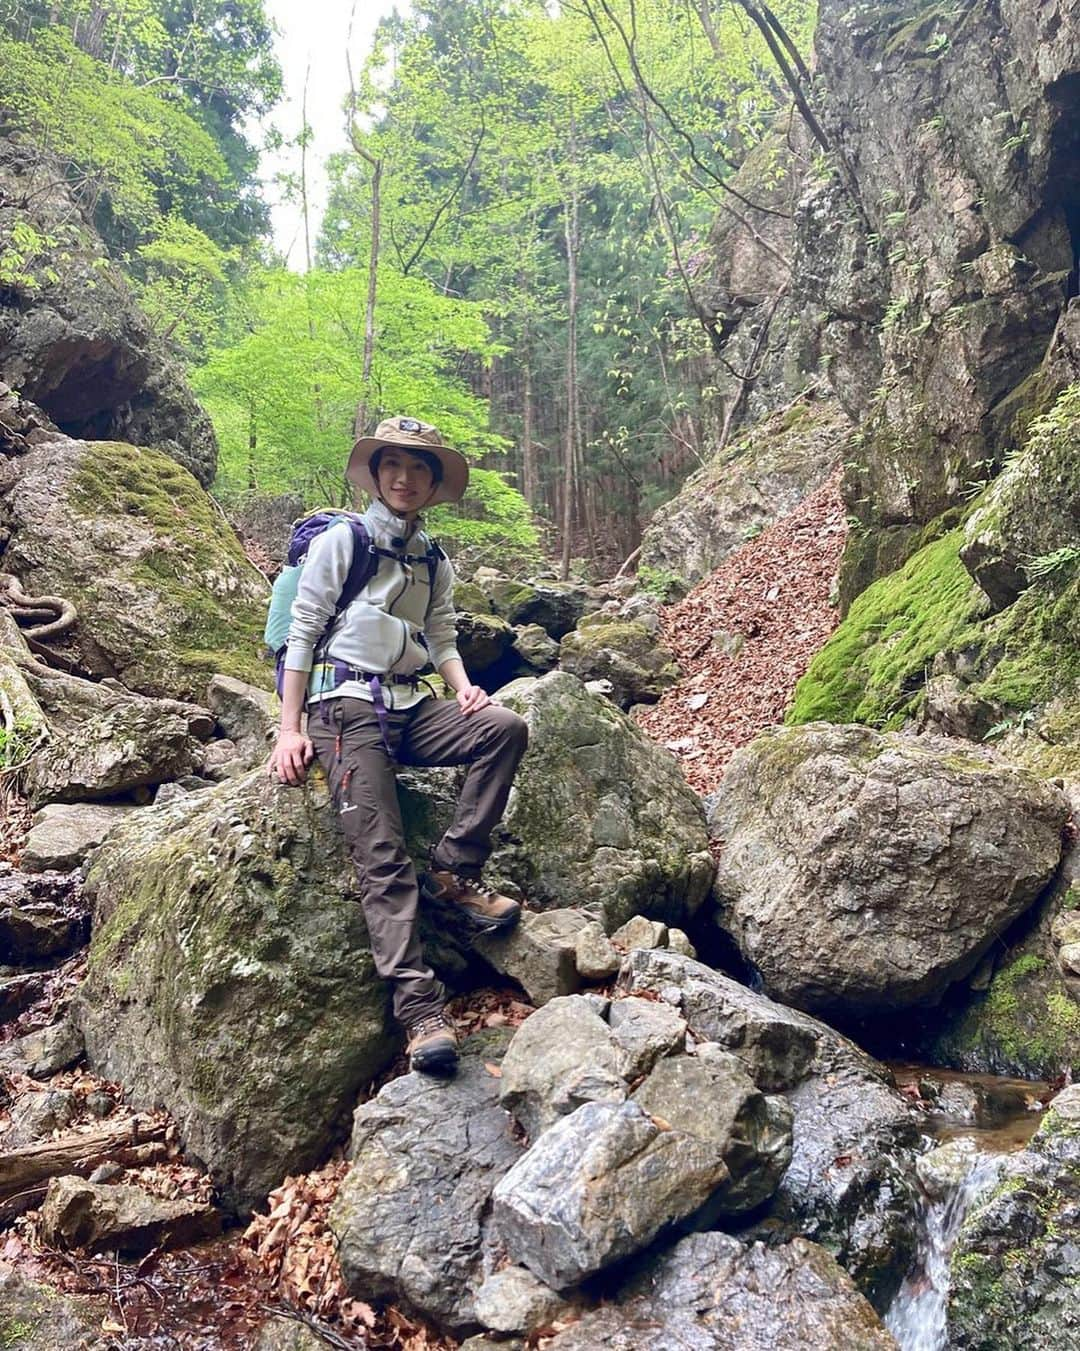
{"x":405,"y":481}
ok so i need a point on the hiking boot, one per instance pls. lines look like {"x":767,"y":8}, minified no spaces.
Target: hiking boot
{"x":484,"y":908}
{"x":433,"y":1045}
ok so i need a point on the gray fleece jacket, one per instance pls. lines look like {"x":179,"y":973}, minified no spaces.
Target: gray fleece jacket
{"x":380,"y":631}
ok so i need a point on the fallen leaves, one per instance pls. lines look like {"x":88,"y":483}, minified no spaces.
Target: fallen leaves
{"x":768,"y":607}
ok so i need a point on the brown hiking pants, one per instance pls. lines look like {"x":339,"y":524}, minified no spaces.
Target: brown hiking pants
{"x":350,"y":748}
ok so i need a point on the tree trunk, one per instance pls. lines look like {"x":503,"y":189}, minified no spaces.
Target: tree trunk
{"x":528,"y":450}
{"x":570,"y":219}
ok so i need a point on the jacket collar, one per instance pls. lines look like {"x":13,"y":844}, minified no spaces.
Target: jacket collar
{"x":380,"y":520}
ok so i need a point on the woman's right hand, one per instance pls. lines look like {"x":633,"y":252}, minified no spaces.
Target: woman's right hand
{"x":289,"y":759}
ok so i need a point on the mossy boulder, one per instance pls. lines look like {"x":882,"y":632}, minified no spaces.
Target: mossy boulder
{"x":230,"y":977}
{"x":469,"y":597}
{"x":165,"y":594}
{"x":555,"y":606}
{"x":485,"y":642}
{"x":1014,"y":1273}
{"x":623,"y":651}
{"x":35,"y":1317}
{"x":599,"y":817}
{"x":865,"y":872}
{"x":1030,"y":515}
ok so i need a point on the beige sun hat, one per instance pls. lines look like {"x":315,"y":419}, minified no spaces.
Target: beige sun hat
{"x":410,"y":433}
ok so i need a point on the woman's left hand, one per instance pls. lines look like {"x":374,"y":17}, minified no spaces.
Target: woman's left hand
{"x":472,"y":698}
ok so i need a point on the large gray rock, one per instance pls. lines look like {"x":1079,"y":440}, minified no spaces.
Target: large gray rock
{"x":561,"y":1056}
{"x":104,"y":741}
{"x":710,"y":1096}
{"x":849,"y":1185}
{"x":1015,"y":1268}
{"x":166,"y":597}
{"x":41,"y":917}
{"x":712,"y":1293}
{"x":77,"y":343}
{"x":64,"y":834}
{"x":230,"y":977}
{"x":598,"y":1186}
{"x":411,"y":1213}
{"x":866,"y":872}
{"x":540,"y":953}
{"x":248,"y":715}
{"x":599,"y":817}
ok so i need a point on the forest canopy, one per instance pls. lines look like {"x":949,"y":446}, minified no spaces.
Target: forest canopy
{"x":516,"y":244}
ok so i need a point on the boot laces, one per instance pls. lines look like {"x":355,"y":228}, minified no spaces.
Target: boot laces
{"x":434,"y":1022}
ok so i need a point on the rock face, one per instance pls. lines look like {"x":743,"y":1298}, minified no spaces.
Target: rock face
{"x":761,"y":477}
{"x":849,"y":1185}
{"x":1031,"y":510}
{"x":230,"y":977}
{"x":599,"y":817}
{"x":77,"y":344}
{"x":1015,"y":1273}
{"x":599,"y":1185}
{"x":105,"y":741}
{"x":866,"y":872}
{"x":623,"y":652}
{"x":426,"y":1154}
{"x":713,"y":1293}
{"x":164,"y":593}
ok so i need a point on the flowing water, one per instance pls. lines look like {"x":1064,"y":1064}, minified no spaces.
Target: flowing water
{"x":986,"y":1119}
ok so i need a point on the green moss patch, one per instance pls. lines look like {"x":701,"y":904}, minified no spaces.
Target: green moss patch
{"x":874,"y":667}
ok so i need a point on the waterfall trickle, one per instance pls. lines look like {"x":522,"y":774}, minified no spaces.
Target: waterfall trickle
{"x":952,"y":1178}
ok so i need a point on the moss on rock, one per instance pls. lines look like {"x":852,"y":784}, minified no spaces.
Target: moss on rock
{"x":165,"y":594}
{"x":624,"y":652}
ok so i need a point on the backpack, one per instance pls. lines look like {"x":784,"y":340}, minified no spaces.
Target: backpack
{"x":365,"y":562}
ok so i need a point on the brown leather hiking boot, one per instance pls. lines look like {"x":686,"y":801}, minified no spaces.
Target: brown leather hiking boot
{"x":484,"y":908}
{"x":433,"y":1045}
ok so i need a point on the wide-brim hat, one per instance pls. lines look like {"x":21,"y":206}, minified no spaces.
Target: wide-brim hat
{"x":409,"y":433}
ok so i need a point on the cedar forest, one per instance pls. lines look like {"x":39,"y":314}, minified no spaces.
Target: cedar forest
{"x":515,"y":244}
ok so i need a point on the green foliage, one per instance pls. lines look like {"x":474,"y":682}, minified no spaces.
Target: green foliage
{"x":662,"y":583}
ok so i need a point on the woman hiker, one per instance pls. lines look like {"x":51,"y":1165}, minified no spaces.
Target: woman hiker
{"x":372,"y":711}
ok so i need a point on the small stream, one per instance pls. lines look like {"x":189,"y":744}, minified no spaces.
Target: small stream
{"x":985,"y":1119}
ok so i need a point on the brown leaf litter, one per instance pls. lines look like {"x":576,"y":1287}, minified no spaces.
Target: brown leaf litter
{"x":746,"y":634}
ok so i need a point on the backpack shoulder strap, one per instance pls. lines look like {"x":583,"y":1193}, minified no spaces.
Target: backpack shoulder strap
{"x":433,"y":552}
{"x":362,"y":568}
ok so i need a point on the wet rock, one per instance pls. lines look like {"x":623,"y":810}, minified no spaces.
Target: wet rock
{"x":230,"y":977}
{"x":624,"y":652}
{"x":81,"y":1214}
{"x":599,"y":818}
{"x":599,"y":1185}
{"x":844,"y":904}
{"x":561,"y":1056}
{"x":943,"y":1169}
{"x":712,"y":1293}
{"x":35,"y":1318}
{"x":17,"y":993}
{"x":165,"y":594}
{"x":539,"y":953}
{"x":854,"y":1137}
{"x":513,"y":1300}
{"x":410,"y":1215}
{"x":1015,"y":1268}
{"x":710,"y":1096}
{"x":63,"y":835}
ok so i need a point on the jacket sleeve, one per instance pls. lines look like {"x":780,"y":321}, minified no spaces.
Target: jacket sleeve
{"x":440,"y":626}
{"x":317,"y":593}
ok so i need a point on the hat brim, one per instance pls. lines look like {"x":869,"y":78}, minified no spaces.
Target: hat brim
{"x":455,"y":467}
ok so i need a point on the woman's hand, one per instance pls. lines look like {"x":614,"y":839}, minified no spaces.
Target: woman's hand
{"x":472,"y":698}
{"x":289,"y":759}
